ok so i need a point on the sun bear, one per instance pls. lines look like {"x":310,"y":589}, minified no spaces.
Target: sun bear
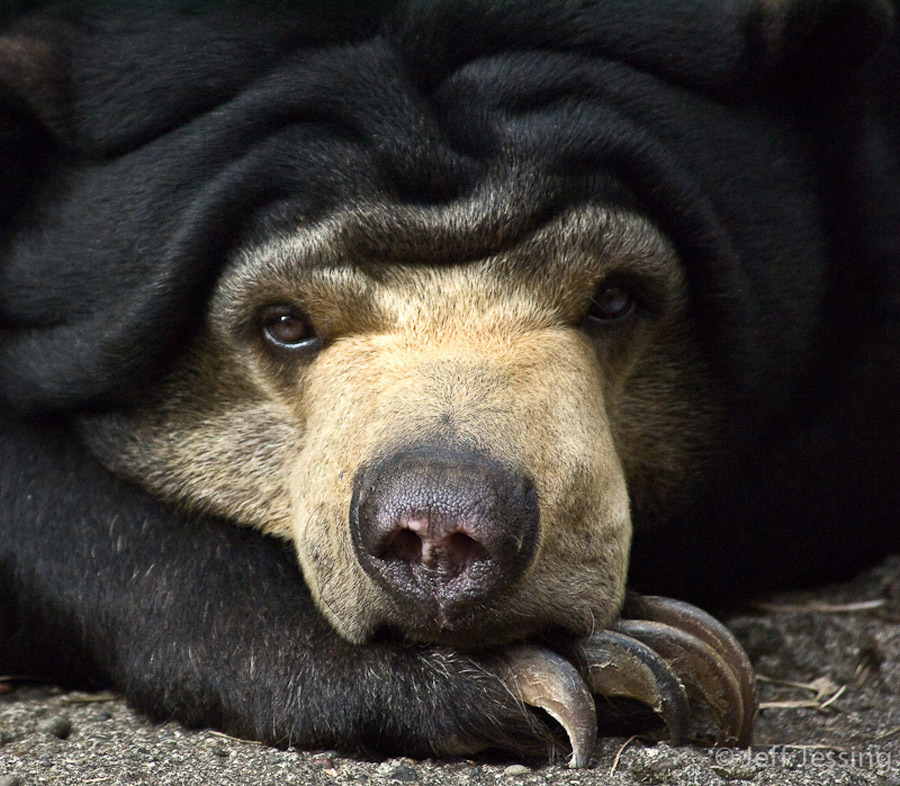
{"x":356,"y":362}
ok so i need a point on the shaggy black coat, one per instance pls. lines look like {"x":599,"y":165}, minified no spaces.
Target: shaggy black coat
{"x":137,"y":148}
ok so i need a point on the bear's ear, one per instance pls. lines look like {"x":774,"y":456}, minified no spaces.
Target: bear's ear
{"x":810,"y":42}
{"x":33,"y":95}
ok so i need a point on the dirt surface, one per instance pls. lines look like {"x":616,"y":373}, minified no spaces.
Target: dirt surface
{"x":829,"y":669}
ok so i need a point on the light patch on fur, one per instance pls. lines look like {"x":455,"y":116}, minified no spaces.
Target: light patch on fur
{"x":210,"y":441}
{"x":375,"y":397}
{"x":30,"y":66}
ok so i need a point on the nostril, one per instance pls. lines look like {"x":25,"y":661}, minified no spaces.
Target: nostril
{"x":448,"y":555}
{"x":461,"y":551}
{"x":451,"y":555}
{"x":404,"y":545}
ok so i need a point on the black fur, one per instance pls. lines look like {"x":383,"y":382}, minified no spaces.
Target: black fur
{"x":211,"y":623}
{"x":139,"y":147}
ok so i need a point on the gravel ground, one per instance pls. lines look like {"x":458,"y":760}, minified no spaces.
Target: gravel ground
{"x":829,"y":668}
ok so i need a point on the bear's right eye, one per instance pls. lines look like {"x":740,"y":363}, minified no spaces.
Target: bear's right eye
{"x":286,"y":328}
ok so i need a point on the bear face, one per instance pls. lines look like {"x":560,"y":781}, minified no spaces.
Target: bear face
{"x":453,"y":450}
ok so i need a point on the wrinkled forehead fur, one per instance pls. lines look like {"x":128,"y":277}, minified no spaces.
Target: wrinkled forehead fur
{"x":425,"y":102}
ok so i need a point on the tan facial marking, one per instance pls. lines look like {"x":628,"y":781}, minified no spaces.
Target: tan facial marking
{"x":490,"y":354}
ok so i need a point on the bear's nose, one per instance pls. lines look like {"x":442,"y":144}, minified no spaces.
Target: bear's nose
{"x":441,"y":529}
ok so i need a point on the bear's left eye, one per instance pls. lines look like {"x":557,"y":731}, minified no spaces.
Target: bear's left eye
{"x":286,"y":328}
{"x":612,"y":303}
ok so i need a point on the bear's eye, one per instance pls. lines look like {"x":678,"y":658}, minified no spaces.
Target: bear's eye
{"x":612,"y":303}
{"x":286,"y":328}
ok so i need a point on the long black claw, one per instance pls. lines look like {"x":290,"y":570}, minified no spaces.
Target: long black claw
{"x":544,"y":679}
{"x":705,"y":674}
{"x":618,"y":665}
{"x":709,"y":630}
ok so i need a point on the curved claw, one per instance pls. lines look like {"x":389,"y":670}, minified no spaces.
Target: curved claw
{"x":705,"y":674}
{"x":618,"y":665}
{"x":700,"y":625}
{"x":544,"y":679}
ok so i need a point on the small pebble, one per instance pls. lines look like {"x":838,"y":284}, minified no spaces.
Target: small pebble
{"x":404,"y":773}
{"x":667,"y":764}
{"x":102,"y":716}
{"x":516,"y":770}
{"x":57,"y":726}
{"x":10,"y":780}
